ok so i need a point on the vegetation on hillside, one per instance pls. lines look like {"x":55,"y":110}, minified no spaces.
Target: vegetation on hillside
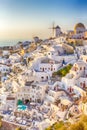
{"x":79,"y":125}
{"x":0,"y":124}
{"x":18,"y":128}
{"x":62,"y":72}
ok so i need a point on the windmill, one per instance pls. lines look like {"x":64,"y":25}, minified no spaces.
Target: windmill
{"x":53,"y":29}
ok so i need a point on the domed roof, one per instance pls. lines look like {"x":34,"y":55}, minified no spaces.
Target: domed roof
{"x":57,"y":27}
{"x":79,"y":25}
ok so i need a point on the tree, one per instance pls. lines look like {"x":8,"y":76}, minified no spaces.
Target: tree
{"x":0,"y":124}
{"x":77,"y":126}
{"x":83,"y":118}
{"x":62,"y":72}
{"x":19,"y":102}
{"x":18,"y":128}
{"x":62,"y":128}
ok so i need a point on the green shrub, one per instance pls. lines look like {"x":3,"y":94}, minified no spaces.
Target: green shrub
{"x":78,"y":125}
{"x":19,"y":102}
{"x":18,"y":128}
{"x":0,"y":124}
{"x":63,"y":71}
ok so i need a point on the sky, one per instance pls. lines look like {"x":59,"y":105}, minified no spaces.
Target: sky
{"x":24,"y":19}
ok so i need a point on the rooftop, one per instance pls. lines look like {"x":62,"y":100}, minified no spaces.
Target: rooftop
{"x":47,"y":60}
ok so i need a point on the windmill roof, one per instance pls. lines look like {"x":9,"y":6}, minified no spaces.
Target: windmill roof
{"x":57,"y":27}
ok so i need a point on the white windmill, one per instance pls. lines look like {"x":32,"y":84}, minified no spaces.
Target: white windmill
{"x":56,"y":31}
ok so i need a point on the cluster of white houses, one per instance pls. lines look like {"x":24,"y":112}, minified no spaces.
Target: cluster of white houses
{"x":33,"y":81}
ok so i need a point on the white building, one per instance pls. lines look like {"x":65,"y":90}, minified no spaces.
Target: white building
{"x":41,"y":76}
{"x":4,"y":69}
{"x":35,"y":92}
{"x":57,"y":32}
{"x":15,"y":58}
{"x":49,"y":65}
{"x":8,"y":101}
{"x":60,"y":39}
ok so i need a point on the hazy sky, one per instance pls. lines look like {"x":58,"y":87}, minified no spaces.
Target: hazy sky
{"x":23,"y":19}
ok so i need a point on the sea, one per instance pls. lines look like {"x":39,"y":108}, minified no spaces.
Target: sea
{"x":11,"y":42}
{"x":8,"y":43}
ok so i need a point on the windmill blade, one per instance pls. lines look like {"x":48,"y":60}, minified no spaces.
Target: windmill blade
{"x":53,"y":25}
{"x":53,"y":28}
{"x":50,"y":28}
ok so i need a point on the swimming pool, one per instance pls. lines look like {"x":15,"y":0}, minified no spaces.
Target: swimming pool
{"x":22,"y":107}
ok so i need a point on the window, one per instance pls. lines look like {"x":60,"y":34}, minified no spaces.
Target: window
{"x":80,"y":68}
{"x":81,"y":84}
{"x":51,"y":69}
{"x":51,"y":65}
{"x":47,"y":77}
{"x":42,"y":77}
{"x":84,"y":85}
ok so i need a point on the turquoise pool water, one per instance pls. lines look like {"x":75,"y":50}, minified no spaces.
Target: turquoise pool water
{"x":22,"y":107}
